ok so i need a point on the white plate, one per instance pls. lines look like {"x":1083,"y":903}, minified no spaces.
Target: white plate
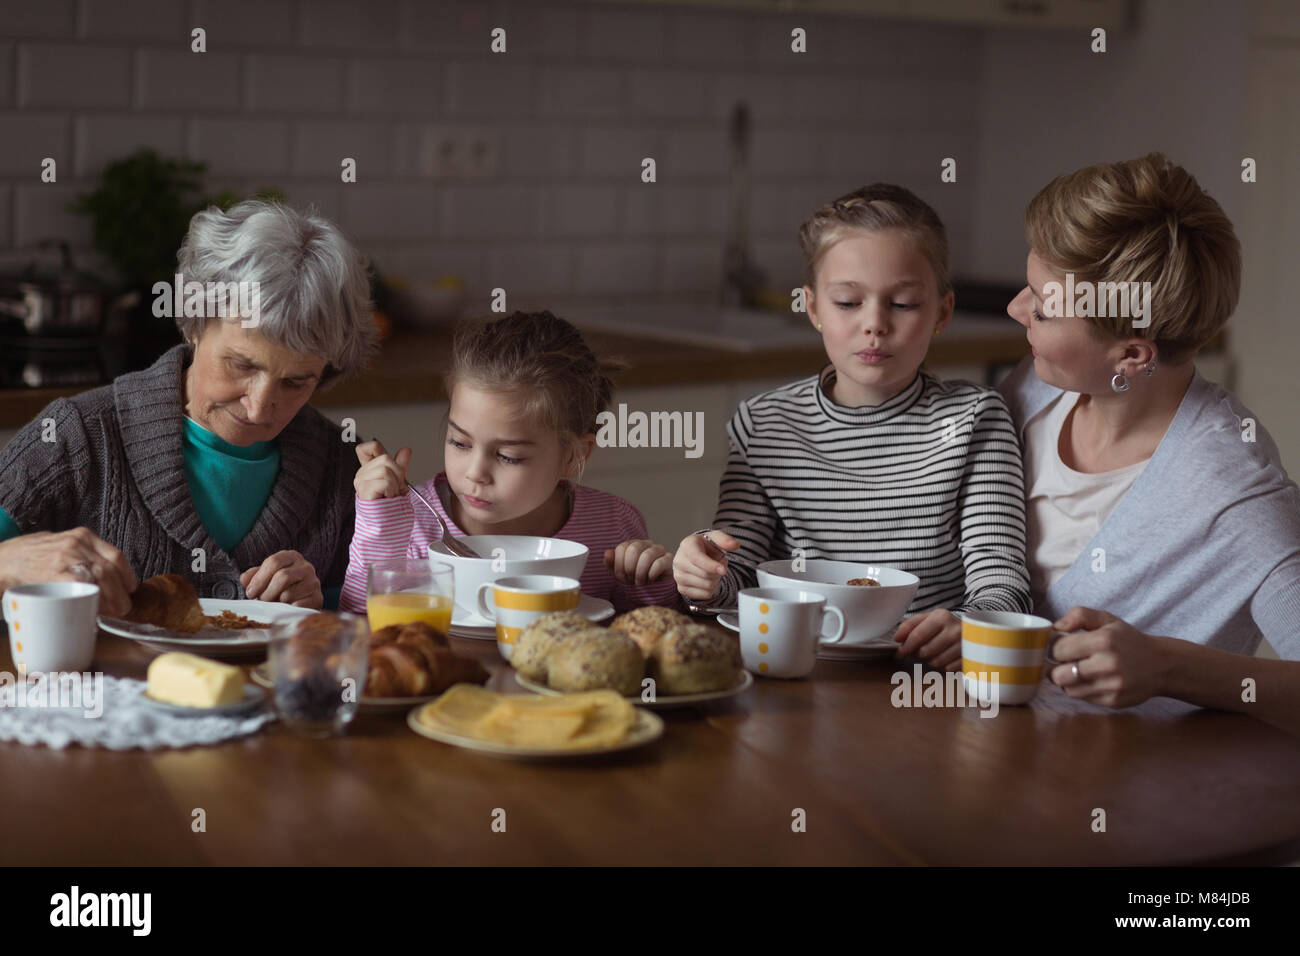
{"x":659,"y":703}
{"x":828,"y":652}
{"x":648,"y":727}
{"x":254,"y":697}
{"x":261,"y":675}
{"x":467,"y":624}
{"x":211,"y":641}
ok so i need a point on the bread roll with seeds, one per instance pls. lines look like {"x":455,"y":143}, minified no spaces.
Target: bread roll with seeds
{"x":537,"y":639}
{"x":595,"y":659}
{"x":695,"y":659}
{"x":646,"y":625}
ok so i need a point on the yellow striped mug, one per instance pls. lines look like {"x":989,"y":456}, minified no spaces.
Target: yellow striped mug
{"x":1002,"y":654}
{"x":517,"y":602}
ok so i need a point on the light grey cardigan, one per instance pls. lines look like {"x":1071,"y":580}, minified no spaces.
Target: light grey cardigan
{"x":1206,"y":544}
{"x":116,"y":467}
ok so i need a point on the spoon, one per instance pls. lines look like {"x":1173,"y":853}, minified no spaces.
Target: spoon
{"x":454,"y":545}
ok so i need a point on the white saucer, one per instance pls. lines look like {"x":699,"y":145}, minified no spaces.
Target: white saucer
{"x":828,"y":652}
{"x":253,"y":698}
{"x":468,"y":624}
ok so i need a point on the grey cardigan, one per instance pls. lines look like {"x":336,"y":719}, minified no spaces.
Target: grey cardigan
{"x":115,"y":467}
{"x":1206,"y":544}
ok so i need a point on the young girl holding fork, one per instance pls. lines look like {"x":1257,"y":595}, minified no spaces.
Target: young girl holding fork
{"x":874,"y":459}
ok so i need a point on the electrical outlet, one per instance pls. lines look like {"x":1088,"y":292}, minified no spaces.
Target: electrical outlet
{"x":460,"y":153}
{"x":481,"y":155}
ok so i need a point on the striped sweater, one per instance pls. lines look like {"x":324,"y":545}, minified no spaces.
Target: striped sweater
{"x":398,"y":528}
{"x":929,"y":481}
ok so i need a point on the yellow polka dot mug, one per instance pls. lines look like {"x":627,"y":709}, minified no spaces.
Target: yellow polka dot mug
{"x":780,"y":629}
{"x":51,"y":626}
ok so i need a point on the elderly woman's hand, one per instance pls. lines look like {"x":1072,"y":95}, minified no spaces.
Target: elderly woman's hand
{"x":287,"y":577}
{"x":1118,"y":665}
{"x":933,"y":636}
{"x":75,"y":555}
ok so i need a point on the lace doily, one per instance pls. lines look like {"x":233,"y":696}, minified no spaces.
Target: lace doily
{"x":126,"y":721}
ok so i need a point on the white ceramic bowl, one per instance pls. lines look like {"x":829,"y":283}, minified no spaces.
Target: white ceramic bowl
{"x":870,"y":614}
{"x":520,"y":554}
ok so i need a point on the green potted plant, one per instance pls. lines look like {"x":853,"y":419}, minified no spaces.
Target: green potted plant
{"x":139,"y":212}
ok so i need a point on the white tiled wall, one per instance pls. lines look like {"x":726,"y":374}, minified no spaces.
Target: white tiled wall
{"x":287,"y":88}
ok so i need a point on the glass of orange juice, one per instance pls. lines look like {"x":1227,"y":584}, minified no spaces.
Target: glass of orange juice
{"x":404,"y":590}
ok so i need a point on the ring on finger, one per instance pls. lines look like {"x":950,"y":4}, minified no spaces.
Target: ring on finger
{"x":82,"y":572}
{"x":1074,"y":669}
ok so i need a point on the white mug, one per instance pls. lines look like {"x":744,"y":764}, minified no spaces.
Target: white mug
{"x":780,"y":629}
{"x":52,"y":626}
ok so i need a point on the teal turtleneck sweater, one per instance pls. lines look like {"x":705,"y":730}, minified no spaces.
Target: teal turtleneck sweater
{"x":229,"y":483}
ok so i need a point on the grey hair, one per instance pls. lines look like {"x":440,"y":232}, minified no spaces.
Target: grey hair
{"x":313,"y":284}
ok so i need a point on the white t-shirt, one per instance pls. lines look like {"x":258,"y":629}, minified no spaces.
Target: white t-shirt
{"x":1064,"y":508}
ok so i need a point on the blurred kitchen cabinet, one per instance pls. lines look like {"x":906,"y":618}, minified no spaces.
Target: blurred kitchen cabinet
{"x":1052,"y":14}
{"x":1275,"y":20}
{"x":1265,"y":339}
{"x":867,"y":8}
{"x":1049,"y":14}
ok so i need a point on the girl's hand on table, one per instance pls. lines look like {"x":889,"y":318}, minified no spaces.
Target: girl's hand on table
{"x":287,"y":577}
{"x":1118,"y":665}
{"x":380,"y":476}
{"x":639,"y":561}
{"x":933,"y":636}
{"x":698,"y":566}
{"x":74,"y":555}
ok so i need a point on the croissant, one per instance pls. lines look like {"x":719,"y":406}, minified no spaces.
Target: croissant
{"x":412,"y":660}
{"x":396,"y":671}
{"x":167,"y":600}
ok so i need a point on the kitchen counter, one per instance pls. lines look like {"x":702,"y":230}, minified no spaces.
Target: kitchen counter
{"x":409,"y":365}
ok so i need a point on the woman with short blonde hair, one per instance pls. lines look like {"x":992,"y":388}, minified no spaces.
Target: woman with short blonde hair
{"x":1151,"y":493}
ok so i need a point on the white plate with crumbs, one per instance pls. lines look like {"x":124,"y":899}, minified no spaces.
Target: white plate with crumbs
{"x":745,"y":682}
{"x":212,"y":641}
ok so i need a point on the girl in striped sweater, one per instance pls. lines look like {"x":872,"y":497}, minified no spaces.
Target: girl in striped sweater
{"x":874,"y":459}
{"x":525,"y":392}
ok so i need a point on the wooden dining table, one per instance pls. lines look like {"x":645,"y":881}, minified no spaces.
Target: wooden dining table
{"x":821,"y":771}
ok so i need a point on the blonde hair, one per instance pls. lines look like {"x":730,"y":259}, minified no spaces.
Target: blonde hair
{"x":1143,"y":220}
{"x":545,"y":359}
{"x":873,"y":208}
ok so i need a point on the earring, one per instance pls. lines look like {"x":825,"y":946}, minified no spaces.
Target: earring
{"x":1118,"y":382}
{"x":1150,"y":367}
{"x":819,"y":325}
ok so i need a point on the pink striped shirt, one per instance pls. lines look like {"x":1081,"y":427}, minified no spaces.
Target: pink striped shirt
{"x":396,"y":528}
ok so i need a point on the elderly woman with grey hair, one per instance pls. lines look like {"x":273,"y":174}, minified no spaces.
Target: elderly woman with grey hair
{"x":210,"y":463}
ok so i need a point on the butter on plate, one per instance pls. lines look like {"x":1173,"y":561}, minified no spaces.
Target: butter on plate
{"x":190,"y":681}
